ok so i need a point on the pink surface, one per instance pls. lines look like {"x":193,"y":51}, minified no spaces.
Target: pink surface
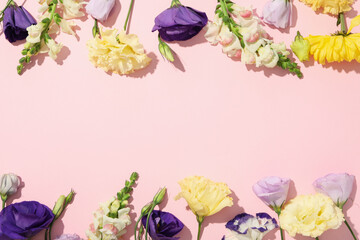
{"x":70,"y":125}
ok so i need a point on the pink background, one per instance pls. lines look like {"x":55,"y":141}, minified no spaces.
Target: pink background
{"x":69,"y":125}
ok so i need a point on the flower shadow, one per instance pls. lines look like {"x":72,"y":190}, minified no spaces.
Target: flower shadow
{"x":347,"y":67}
{"x":110,"y":22}
{"x":65,"y":52}
{"x":347,"y":206}
{"x":16,"y":195}
{"x":198,"y":39}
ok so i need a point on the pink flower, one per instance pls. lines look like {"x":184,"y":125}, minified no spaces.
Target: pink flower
{"x":278,"y":13}
{"x":100,"y":9}
{"x":272,"y":191}
{"x":337,"y":186}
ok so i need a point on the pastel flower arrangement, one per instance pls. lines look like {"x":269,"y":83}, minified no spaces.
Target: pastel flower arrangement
{"x":278,"y":13}
{"x":242,"y":37}
{"x":24,"y":220}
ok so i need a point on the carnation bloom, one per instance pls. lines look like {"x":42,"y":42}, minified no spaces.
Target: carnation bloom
{"x":119,"y":53}
{"x":310,"y":215}
{"x":330,"y":6}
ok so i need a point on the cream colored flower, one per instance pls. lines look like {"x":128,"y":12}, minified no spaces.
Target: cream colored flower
{"x":66,"y":26}
{"x":330,"y":6}
{"x":54,"y":48}
{"x":34,"y":33}
{"x":267,"y":57}
{"x":119,"y":53}
{"x":204,"y":196}
{"x":310,"y":215}
{"x":72,"y":8}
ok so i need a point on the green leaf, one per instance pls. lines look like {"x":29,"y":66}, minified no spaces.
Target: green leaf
{"x":24,"y":51}
{"x":46,"y":20}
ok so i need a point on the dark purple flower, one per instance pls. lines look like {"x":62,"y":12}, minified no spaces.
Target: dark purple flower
{"x":163,"y":225}
{"x":179,"y":23}
{"x":16,"y":20}
{"x":24,"y":220}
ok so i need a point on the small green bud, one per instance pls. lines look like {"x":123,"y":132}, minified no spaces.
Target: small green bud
{"x":124,"y":203}
{"x":165,"y":51}
{"x":70,"y":197}
{"x":59,"y":206}
{"x":146,"y":209}
{"x":134,"y":176}
{"x":27,"y":45}
{"x":115,"y":206}
{"x":159,"y":196}
{"x":301,"y":47}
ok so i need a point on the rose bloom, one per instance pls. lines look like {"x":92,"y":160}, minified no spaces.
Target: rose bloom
{"x":118,"y":53}
{"x":330,"y":6}
{"x":204,"y":196}
{"x":310,"y":215}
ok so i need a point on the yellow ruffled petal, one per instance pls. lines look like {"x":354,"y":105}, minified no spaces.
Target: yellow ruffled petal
{"x":354,"y":23}
{"x":330,"y":6}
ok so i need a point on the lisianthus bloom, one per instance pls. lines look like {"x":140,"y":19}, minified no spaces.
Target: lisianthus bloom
{"x":310,"y":215}
{"x":9,"y":184}
{"x":108,"y":228}
{"x":204,"y":196}
{"x":118,"y":53}
{"x":24,"y":220}
{"x":100,"y":9}
{"x":272,"y":191}
{"x":337,"y":186}
{"x":277,"y":13}
{"x":247,"y":227}
{"x":16,"y":20}
{"x":330,"y":6}
{"x":69,"y":237}
{"x":179,"y":23}
{"x":301,"y":47}
{"x":163,"y":225}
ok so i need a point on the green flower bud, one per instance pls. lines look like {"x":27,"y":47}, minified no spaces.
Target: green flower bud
{"x":159,"y":196}
{"x":59,"y":206}
{"x":301,"y":47}
{"x":134,"y":176}
{"x":124,"y":203}
{"x":70,"y":197}
{"x":165,"y":50}
{"x":115,"y":206}
{"x":146,"y":209}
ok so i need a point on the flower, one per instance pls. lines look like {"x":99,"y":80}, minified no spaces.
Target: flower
{"x":301,"y":47}
{"x":310,"y":215}
{"x":272,"y":191}
{"x":337,"y":186}
{"x":69,"y":237}
{"x":335,"y":48}
{"x":100,"y":9}
{"x":204,"y":196}
{"x":277,"y":13}
{"x":23,"y":220}
{"x":72,"y":8}
{"x":9,"y":184}
{"x":52,"y":48}
{"x":330,"y":6}
{"x":16,"y":20}
{"x":119,"y":53}
{"x":35,"y":33}
{"x":108,"y":228}
{"x":163,"y":225}
{"x":247,"y":227}
{"x":179,"y":23}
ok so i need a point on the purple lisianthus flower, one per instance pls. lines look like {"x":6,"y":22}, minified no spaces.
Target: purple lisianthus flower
{"x":16,"y":20}
{"x":179,"y":23}
{"x":163,"y":225}
{"x":278,"y":13}
{"x":337,"y":186}
{"x":272,"y":191}
{"x":247,"y":227}
{"x":23,"y":220}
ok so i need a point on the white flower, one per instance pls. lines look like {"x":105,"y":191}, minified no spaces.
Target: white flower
{"x":9,"y":184}
{"x":72,"y":8}
{"x":51,"y":47}
{"x":34,"y":33}
{"x":267,"y":57}
{"x":212,"y":29}
{"x":66,"y":26}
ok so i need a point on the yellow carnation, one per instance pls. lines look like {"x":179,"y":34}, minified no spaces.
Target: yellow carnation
{"x":119,"y":53}
{"x":204,"y":196}
{"x":335,"y":48}
{"x":330,"y":6}
{"x":310,"y":215}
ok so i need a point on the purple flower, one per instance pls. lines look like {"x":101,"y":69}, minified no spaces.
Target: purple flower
{"x":337,"y":186}
{"x":278,"y":13}
{"x":246,"y":226}
{"x":163,"y":225}
{"x":272,"y":191}
{"x":69,"y":237}
{"x":16,"y":20}
{"x":179,"y":23}
{"x":24,"y":220}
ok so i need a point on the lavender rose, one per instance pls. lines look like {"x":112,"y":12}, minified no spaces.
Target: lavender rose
{"x":179,"y":23}
{"x":100,"y":9}
{"x":24,"y":220}
{"x":337,"y":186}
{"x":16,"y":20}
{"x":272,"y":191}
{"x":278,"y":13}
{"x":163,"y":225}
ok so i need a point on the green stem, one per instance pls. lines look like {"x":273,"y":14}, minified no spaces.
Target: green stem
{"x":343,"y":23}
{"x":352,"y":233}
{"x":136,"y":226}
{"x":3,"y":204}
{"x":128,"y":14}
{"x":278,"y":211}
{"x":317,"y":238}
{"x":200,"y":221}
{"x":6,"y":6}
{"x":175,"y":3}
{"x":95,"y":29}
{"x":46,"y":234}
{"x":147,"y":221}
{"x":50,"y":228}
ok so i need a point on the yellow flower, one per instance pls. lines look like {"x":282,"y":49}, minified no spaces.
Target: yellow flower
{"x":335,"y":48}
{"x":310,"y":215}
{"x":204,"y":196}
{"x":119,"y":53}
{"x":330,"y":6}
